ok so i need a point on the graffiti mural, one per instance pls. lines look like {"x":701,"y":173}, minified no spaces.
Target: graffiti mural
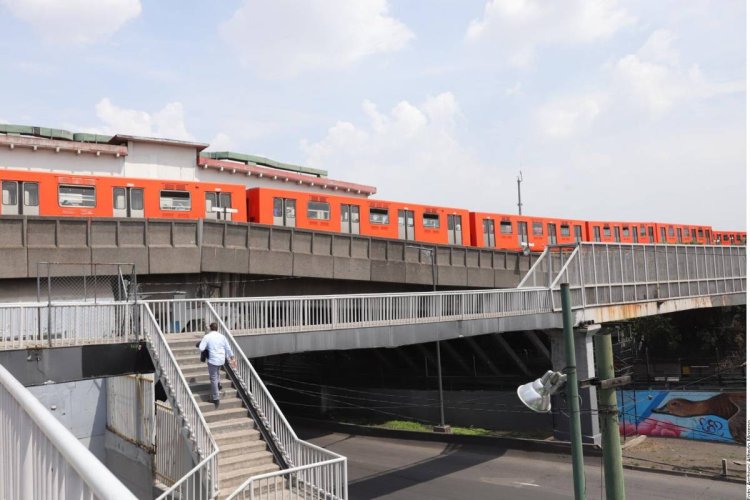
{"x":709,"y":416}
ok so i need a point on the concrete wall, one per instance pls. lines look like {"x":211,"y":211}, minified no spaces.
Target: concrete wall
{"x":160,"y":246}
{"x":81,"y":407}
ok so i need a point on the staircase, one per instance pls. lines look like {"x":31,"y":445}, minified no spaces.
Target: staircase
{"x":242,"y":450}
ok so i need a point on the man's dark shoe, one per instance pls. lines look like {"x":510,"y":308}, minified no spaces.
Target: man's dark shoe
{"x":216,"y":404}
{"x":219,"y":385}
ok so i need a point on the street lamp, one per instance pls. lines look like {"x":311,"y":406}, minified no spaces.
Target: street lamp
{"x":442,"y":427}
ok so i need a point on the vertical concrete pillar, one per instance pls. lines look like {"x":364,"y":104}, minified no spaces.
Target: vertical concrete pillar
{"x":584,"y":346}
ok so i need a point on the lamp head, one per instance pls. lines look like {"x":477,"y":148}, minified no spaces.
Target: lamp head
{"x":536,"y":395}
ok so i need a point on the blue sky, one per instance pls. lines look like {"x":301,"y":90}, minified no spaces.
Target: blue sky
{"x":613,"y":110}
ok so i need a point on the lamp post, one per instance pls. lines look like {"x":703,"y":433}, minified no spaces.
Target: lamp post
{"x":442,"y":427}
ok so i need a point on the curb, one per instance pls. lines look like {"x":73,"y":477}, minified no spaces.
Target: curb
{"x":536,"y":445}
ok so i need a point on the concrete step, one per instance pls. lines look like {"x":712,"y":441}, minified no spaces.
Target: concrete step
{"x":181,"y":340}
{"x":236,"y":436}
{"x":234,"y":424}
{"x":246,"y":459}
{"x":241,"y":448}
{"x":226,"y":403}
{"x":205,"y":394}
{"x":225,"y":414}
{"x":232,"y":479}
{"x":202,"y":378}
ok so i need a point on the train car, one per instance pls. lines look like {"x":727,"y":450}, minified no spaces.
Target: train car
{"x":343,"y":214}
{"x":616,"y":231}
{"x":73,"y":195}
{"x":729,"y":237}
{"x":517,"y":232}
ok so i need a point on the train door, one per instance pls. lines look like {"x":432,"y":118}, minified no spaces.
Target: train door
{"x":523,"y":234}
{"x":617,"y":234}
{"x":350,"y":219}
{"x":551,"y":234}
{"x":488,"y":228}
{"x":127,"y":202}
{"x":285,"y":212}
{"x":218,"y":205}
{"x":597,"y":234}
{"x":25,"y":204}
{"x":663,"y":234}
{"x":636,"y":239}
{"x":650,"y":234}
{"x":455,"y":232}
{"x":406,"y":224}
{"x":578,"y":233}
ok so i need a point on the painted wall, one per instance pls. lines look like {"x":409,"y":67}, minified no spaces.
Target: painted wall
{"x":703,"y":415}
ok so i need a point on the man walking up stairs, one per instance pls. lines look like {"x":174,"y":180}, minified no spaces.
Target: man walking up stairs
{"x":242,"y":451}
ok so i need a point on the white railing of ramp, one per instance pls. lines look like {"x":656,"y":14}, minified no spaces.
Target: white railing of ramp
{"x":261,"y":315}
{"x":29,"y":325}
{"x":313,"y":470}
{"x":202,"y":481}
{"x":40,"y":458}
{"x":603,"y":274}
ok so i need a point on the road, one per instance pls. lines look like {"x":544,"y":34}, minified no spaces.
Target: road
{"x":403,"y":469}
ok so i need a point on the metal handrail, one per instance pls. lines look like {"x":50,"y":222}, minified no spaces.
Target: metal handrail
{"x":204,"y":447}
{"x":57,"y":457}
{"x":296,"y":452}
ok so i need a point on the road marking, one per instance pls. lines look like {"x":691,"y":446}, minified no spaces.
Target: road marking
{"x":525,"y":484}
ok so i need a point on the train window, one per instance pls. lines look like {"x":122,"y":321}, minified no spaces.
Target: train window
{"x":136,"y":199}
{"x":31,"y":194}
{"x":431,"y":220}
{"x":506,"y":227}
{"x":379,"y":216}
{"x":551,"y":234}
{"x":607,"y":231}
{"x":564,"y":230}
{"x":626,"y":232}
{"x":174,"y":200}
{"x":671,"y":232}
{"x":693,"y":234}
{"x":537,"y":229}
{"x":118,"y":203}
{"x":700,"y":233}
{"x":488,"y":229}
{"x":643,"y":230}
{"x":726,"y":237}
{"x":10,"y":193}
{"x":76,"y":196}
{"x":318,"y":210}
{"x":663,"y":234}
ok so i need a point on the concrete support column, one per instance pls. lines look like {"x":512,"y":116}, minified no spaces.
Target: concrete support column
{"x":584,"y":346}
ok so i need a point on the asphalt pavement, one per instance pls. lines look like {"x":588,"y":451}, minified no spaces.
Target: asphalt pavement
{"x":405,"y":469}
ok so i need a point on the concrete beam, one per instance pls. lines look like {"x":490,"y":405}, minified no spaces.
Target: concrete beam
{"x":508,"y":349}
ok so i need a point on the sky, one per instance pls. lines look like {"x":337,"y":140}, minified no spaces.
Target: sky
{"x":613,"y":110}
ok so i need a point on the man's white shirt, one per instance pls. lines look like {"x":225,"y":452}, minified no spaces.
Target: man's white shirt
{"x":218,"y":348}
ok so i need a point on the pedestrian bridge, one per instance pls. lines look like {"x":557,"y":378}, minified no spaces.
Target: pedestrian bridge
{"x":607,"y":282}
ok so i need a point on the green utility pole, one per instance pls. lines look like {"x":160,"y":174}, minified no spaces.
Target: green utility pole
{"x":605,"y":370}
{"x":571,"y":388}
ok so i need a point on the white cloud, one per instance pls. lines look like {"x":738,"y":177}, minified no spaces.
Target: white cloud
{"x":571,"y":115}
{"x":287,"y":37}
{"x":221,"y":142}
{"x":168,"y":122}
{"x":519,"y":27}
{"x":411,"y":153}
{"x":75,"y":21}
{"x":654,"y":78}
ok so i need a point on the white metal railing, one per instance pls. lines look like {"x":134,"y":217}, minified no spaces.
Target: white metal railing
{"x":40,"y":458}
{"x":130,"y":408}
{"x":318,"y":481}
{"x":261,"y":315}
{"x":316,"y":470}
{"x":202,"y":482}
{"x":25,"y":325}
{"x":606,"y":274}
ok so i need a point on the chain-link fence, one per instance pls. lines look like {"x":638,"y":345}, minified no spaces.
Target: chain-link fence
{"x":99,"y":282}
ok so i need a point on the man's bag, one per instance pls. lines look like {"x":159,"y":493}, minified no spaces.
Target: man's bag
{"x":204,"y":353}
